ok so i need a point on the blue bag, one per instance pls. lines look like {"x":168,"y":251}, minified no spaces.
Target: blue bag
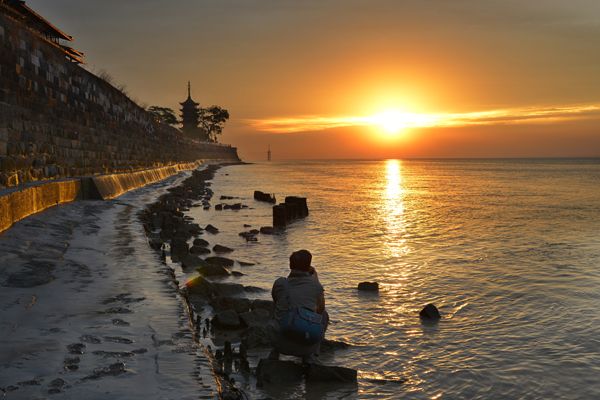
{"x":301,"y":324}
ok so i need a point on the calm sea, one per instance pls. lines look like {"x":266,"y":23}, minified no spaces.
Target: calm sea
{"x":509,"y":250}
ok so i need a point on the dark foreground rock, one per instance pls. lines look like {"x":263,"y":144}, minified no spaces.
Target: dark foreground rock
{"x":276,"y":371}
{"x":217,"y":248}
{"x":325,"y":373}
{"x":369,"y":286}
{"x":227,"y":319}
{"x":222,"y":261}
{"x":430,"y":313}
{"x":212,"y":270}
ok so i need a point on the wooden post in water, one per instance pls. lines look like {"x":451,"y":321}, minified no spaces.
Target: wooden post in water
{"x":279,"y":216}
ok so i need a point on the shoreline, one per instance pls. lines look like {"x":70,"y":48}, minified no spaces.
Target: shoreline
{"x":228,"y":323}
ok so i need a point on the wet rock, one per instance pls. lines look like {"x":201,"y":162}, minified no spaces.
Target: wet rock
{"x":266,"y":197}
{"x":211,"y":229}
{"x":254,"y":231}
{"x":31,"y":382}
{"x":254,"y":289}
{"x":369,"y":286}
{"x":222,"y":261}
{"x":219,"y":207}
{"x":116,"y":310}
{"x":199,"y":286}
{"x":190,"y":262}
{"x":90,"y":339}
{"x":260,"y":304}
{"x":237,"y":273}
{"x":258,"y":317}
{"x":325,"y":373}
{"x":239,"y":304}
{"x":199,"y":250}
{"x":76,"y":348}
{"x":57,"y":383}
{"x":247,"y":225}
{"x":267,"y":230}
{"x":332,"y":345}
{"x":227,"y":198}
{"x":227,"y":319}
{"x":245,"y":263}
{"x":221,"y":249}
{"x":112,"y":370}
{"x":212,"y":270}
{"x":179,"y":247}
{"x":200,"y":242}
{"x":257,"y":337}
{"x":139,"y":351}
{"x":276,"y":371}
{"x":228,"y":289}
{"x":430,"y":313}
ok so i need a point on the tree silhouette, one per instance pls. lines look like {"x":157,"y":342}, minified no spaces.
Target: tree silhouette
{"x":212,"y":121}
{"x":163,"y":115}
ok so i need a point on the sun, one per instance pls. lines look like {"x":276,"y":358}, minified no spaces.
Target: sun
{"x":393,"y":122}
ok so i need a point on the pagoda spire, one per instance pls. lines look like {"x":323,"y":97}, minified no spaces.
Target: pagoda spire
{"x":189,"y":90}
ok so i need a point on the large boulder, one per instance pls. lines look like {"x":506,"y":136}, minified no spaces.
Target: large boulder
{"x":430,"y":313}
{"x":276,"y":371}
{"x":227,"y":319}
{"x":325,"y":373}
{"x":222,"y":261}
{"x":369,"y":286}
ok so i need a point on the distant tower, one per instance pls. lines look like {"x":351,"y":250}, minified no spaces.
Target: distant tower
{"x":269,"y":154}
{"x":190,"y":113}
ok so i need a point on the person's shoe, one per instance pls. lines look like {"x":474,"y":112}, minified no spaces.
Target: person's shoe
{"x":273,"y":355}
{"x":311,"y":359}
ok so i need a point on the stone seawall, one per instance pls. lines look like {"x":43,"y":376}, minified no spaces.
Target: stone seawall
{"x":58,"y":120}
{"x":16,"y":204}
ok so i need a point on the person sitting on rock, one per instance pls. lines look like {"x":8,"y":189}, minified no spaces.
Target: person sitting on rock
{"x":300,"y":317}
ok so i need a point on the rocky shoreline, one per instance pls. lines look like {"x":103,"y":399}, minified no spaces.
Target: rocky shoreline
{"x":230,"y":326}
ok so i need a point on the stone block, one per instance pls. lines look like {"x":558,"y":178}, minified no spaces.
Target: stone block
{"x":279,"y":372}
{"x":325,"y":373}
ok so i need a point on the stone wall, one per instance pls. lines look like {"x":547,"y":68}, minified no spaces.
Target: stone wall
{"x":59,"y":120}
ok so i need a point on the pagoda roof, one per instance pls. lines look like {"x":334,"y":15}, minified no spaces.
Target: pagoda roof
{"x":189,"y":103}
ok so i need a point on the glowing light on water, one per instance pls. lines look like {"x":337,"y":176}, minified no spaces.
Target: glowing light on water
{"x":393,"y":207}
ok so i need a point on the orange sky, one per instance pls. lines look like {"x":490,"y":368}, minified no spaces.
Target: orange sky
{"x":316,"y":60}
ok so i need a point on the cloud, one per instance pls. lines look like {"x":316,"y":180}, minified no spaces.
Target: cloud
{"x":424,"y":120}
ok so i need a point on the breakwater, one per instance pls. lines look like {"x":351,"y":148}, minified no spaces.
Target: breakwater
{"x":58,"y":120}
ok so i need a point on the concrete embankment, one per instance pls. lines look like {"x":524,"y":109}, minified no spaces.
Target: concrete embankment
{"x":21,"y":203}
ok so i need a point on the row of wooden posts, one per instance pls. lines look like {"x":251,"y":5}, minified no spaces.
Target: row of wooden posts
{"x":285,"y":213}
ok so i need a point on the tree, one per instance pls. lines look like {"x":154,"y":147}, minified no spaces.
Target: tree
{"x":212,"y":121}
{"x":163,"y":115}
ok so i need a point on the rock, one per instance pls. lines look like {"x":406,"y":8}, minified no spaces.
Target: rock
{"x":259,"y":304}
{"x":369,"y":286}
{"x":112,"y":370}
{"x":199,"y":250}
{"x":227,"y":319}
{"x":213,"y":270}
{"x":257,"y":336}
{"x":331,"y":345}
{"x":266,"y":197}
{"x":245,"y":263}
{"x":276,"y":371}
{"x":190,"y":262}
{"x":217,"y":248}
{"x":253,"y":231}
{"x":76,"y":348}
{"x":199,"y":286}
{"x":239,"y":304}
{"x":219,"y":207}
{"x":228,"y":289}
{"x":258,"y":317}
{"x":200,"y":242}
{"x":267,"y":230}
{"x":222,"y":261}
{"x":179,"y":247}
{"x":90,"y":339}
{"x":254,"y":289}
{"x":430,"y":312}
{"x":325,"y":373}
{"x":237,"y":273}
{"x":211,"y":229}
{"x":247,"y":225}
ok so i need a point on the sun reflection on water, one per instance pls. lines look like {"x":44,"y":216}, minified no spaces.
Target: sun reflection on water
{"x":393,"y":208}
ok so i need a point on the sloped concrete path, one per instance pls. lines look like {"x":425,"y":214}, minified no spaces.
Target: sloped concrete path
{"x":87,"y":310}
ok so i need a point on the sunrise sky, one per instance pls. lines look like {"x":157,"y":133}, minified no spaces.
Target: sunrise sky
{"x":360,"y":79}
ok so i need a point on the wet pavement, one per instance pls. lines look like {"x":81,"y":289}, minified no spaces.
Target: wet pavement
{"x":87,"y":309}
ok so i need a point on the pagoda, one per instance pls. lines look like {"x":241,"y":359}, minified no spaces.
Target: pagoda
{"x":190,"y":113}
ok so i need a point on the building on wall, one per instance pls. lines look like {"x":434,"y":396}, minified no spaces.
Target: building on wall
{"x":190,"y":115}
{"x":41,"y":26}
